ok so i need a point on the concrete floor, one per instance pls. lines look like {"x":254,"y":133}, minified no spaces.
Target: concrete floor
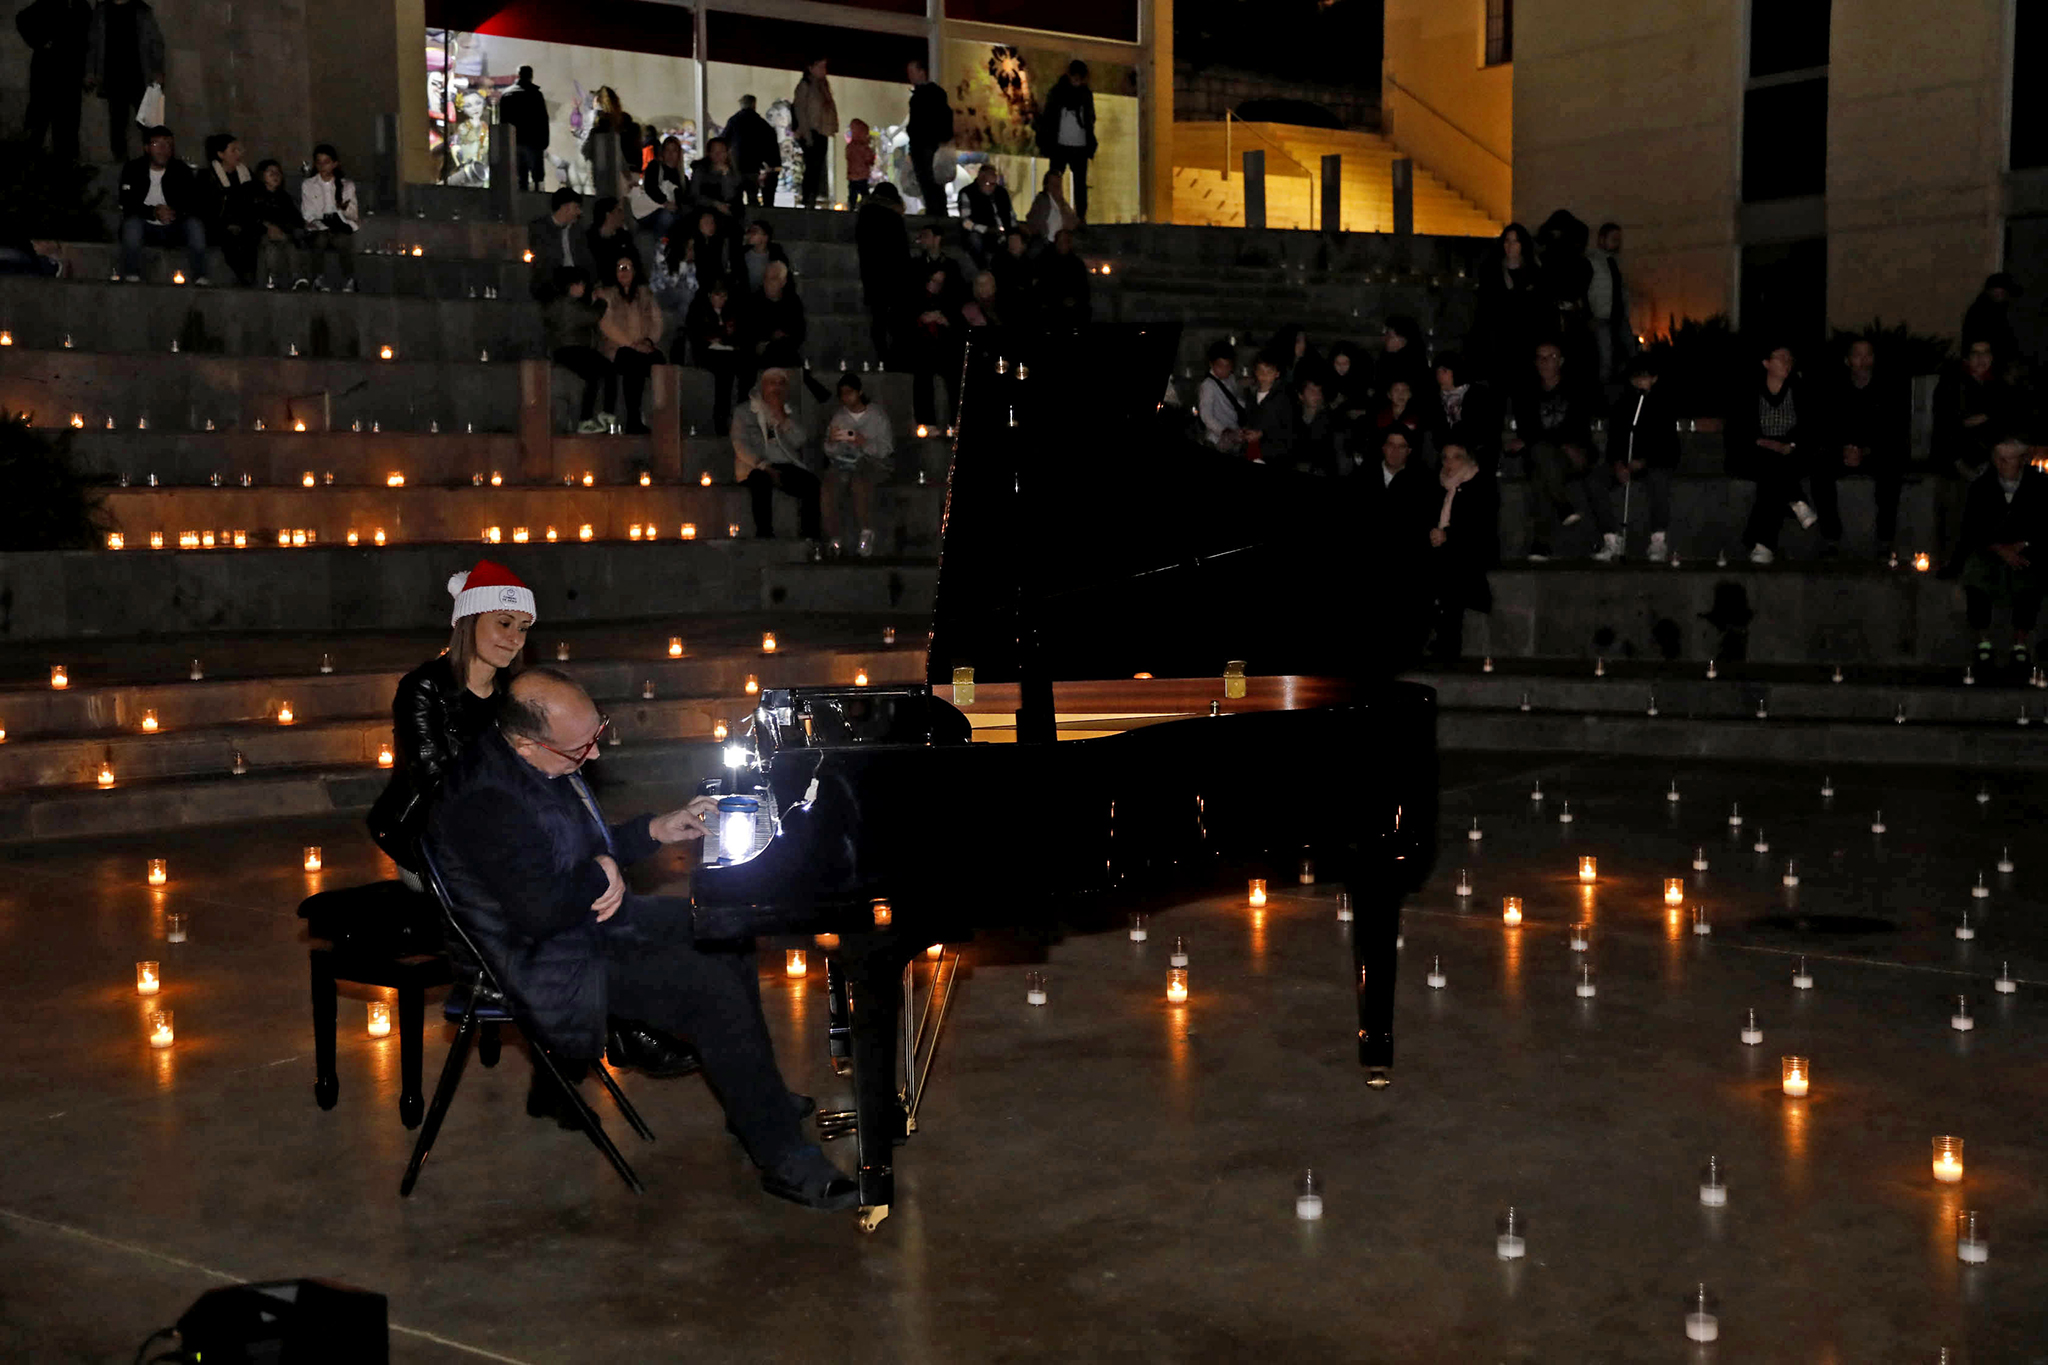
{"x":1111,"y":1178}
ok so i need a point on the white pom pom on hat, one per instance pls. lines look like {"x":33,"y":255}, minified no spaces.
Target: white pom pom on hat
{"x":488,"y":587}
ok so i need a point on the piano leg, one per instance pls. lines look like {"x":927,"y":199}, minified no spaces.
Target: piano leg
{"x":874,"y":999}
{"x":1374,"y":959}
{"x":838,"y":1034}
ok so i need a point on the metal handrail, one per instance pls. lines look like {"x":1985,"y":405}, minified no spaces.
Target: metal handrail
{"x":1442,"y":118}
{"x":1230,"y":117}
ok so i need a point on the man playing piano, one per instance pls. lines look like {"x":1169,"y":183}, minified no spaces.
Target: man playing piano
{"x":533,"y":871}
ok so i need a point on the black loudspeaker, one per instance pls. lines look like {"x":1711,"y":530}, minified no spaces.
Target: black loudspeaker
{"x":287,"y":1322}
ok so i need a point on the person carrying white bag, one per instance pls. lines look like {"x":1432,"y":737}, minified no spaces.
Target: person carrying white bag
{"x":124,"y":64}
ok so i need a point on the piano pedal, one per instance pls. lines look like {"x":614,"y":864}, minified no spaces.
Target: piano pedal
{"x":871,"y":1216}
{"x":1376,"y":1078}
{"x":837,"y":1123}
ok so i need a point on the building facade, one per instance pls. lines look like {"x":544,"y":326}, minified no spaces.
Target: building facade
{"x":1795,"y":165}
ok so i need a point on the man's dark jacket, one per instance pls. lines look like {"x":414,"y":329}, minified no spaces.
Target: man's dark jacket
{"x":526,"y":110}
{"x":931,"y":118}
{"x":181,"y":189}
{"x":517,"y":851}
{"x":1065,"y":95}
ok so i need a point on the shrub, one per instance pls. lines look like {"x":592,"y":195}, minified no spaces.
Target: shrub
{"x":49,"y":504}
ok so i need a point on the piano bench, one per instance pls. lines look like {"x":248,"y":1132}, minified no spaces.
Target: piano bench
{"x":382,"y":934}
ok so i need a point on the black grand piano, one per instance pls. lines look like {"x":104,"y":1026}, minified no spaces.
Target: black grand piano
{"x":1086,"y":745}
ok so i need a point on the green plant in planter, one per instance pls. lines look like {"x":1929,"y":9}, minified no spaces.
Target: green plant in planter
{"x":1900,"y":349}
{"x":45,"y":196}
{"x":49,"y":505}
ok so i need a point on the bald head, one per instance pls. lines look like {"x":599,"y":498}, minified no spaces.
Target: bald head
{"x":550,"y":721}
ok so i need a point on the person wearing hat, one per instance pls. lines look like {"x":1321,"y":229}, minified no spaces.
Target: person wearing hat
{"x":440,"y":709}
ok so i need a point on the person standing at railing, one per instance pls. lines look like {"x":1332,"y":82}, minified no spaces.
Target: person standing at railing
{"x":930,"y":127}
{"x":1066,"y":130}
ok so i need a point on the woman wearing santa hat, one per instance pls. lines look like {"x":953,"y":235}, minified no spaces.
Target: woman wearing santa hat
{"x":441,"y":707}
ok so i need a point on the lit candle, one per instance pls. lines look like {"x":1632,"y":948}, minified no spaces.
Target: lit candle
{"x":768,"y":642}
{"x":149,"y":722}
{"x":1177,"y":985}
{"x":147,"y":982}
{"x":177,"y":277}
{"x":645,"y":479}
{"x":675,"y":646}
{"x":1511,"y":910}
{"x":394,"y":479}
{"x":378,"y":535}
{"x":116,"y":541}
{"x":78,"y":421}
{"x":384,"y":352}
{"x":732,"y":530}
{"x":883,"y":915}
{"x":417,"y":251}
{"x":825,"y":942}
{"x":1797,"y":1075}
{"x":553,"y":535}
{"x":633,"y":531}
{"x":1589,"y":868}
{"x":242,"y":539}
{"x":312,"y":857}
{"x":719,"y":731}
{"x":888,"y":635}
{"x":1674,"y":890}
{"x":384,"y":759}
{"x":60,"y":677}
{"x":1233,"y":680}
{"x":1921,"y":562}
{"x":527,"y":256}
{"x":160,"y":1031}
{"x":753,"y":685}
{"x":584,"y":531}
{"x":520,"y":535}
{"x":107,"y":773}
{"x":284,"y":713}
{"x":159,"y":871}
{"x":689,"y":531}
{"x":706,"y":479}
{"x":156,"y":540}
{"x":378,"y":1022}
{"x":1256,"y":893}
{"x":300,"y":425}
{"x":860,"y":678}
{"x":794,"y":964}
{"x":589,"y":478}
{"x":1948,"y":1159}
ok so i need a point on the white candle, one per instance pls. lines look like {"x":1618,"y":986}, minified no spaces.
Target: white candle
{"x":1702,"y":1327}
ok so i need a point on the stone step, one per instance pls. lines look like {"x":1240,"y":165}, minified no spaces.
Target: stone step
{"x":852,"y":586}
{"x":1790,"y":696}
{"x":144,"y":807}
{"x":349,"y":723}
{"x":1840,"y":612}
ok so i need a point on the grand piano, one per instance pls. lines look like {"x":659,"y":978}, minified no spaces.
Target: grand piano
{"x":1086,"y":746}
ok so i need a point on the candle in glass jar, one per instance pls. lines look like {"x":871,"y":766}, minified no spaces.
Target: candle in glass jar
{"x":793,"y":963}
{"x":384,"y":757}
{"x":161,"y":1033}
{"x":1257,"y":892}
{"x":60,"y":677}
{"x":1674,"y":890}
{"x":147,"y":979}
{"x":883,"y":915}
{"x":1589,"y":868}
{"x":1948,"y":1159}
{"x":1797,"y":1075}
{"x":378,"y":1021}
{"x":1511,"y":910}
{"x":825,"y":942}
{"x":174,"y":927}
{"x":675,"y":646}
{"x":753,"y":684}
{"x":1177,"y":985}
{"x":767,"y":642}
{"x":159,"y":871}
{"x":312,"y":857}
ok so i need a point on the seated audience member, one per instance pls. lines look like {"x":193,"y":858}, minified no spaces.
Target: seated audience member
{"x":611,"y":236}
{"x":771,"y":452}
{"x":628,"y":334}
{"x":662,"y":192}
{"x":262,"y":223}
{"x":1399,"y":500}
{"x":1972,"y":403}
{"x":986,"y":214}
{"x":1398,"y":407}
{"x":222,"y":173}
{"x":1218,"y":404}
{"x":932,"y":337}
{"x":1468,"y":411}
{"x":1296,"y":353}
{"x":1063,"y":284}
{"x":1346,"y":384}
{"x":1403,"y":355}
{"x":2005,"y":529}
{"x":1554,"y":429}
{"x":859,"y":450}
{"x":1464,"y":543}
{"x":160,"y":206}
{"x":713,"y":331}
{"x":674,"y":281}
{"x":715,"y":182}
{"x":761,"y":251}
{"x":1268,"y":415}
{"x":573,"y":319}
{"x":38,"y":256}
{"x":534,"y":877}
{"x":716,"y":248}
{"x":1865,"y":433}
{"x":1763,"y":433}
{"x":773,"y":327}
{"x":1315,"y":445}
{"x":980,"y":310}
{"x":1642,"y":448}
{"x":1051,"y":214}
{"x":557,"y":244}
{"x":928,"y":252}
{"x":1989,"y":317}
{"x":327,"y":201}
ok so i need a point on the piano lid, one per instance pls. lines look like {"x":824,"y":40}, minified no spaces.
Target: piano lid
{"x":1087,"y":535}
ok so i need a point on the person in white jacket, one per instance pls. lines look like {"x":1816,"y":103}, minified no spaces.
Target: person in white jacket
{"x":770,"y":453}
{"x":859,"y":448}
{"x":327,"y":201}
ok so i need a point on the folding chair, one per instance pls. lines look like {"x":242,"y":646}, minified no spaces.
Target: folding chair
{"x":478,"y":1000}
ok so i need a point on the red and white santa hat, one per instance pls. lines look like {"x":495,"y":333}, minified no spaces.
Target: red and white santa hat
{"x":488,"y":587}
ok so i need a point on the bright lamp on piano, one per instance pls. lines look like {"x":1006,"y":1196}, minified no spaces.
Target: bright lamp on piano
{"x":736,"y":834}
{"x":735,"y":755}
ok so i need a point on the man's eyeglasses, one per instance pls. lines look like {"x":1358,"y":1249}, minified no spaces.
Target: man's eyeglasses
{"x":582,"y":754}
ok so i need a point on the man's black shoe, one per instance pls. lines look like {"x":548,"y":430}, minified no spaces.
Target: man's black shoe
{"x":652,"y":1053}
{"x":804,"y":1105}
{"x":810,"y":1180}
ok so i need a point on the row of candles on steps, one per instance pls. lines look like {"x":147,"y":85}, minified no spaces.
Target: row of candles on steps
{"x":2038,"y":678}
{"x":300,"y":537}
{"x":396,"y":478}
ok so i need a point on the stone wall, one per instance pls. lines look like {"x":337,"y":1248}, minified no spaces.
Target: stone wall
{"x":1204,"y":94}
